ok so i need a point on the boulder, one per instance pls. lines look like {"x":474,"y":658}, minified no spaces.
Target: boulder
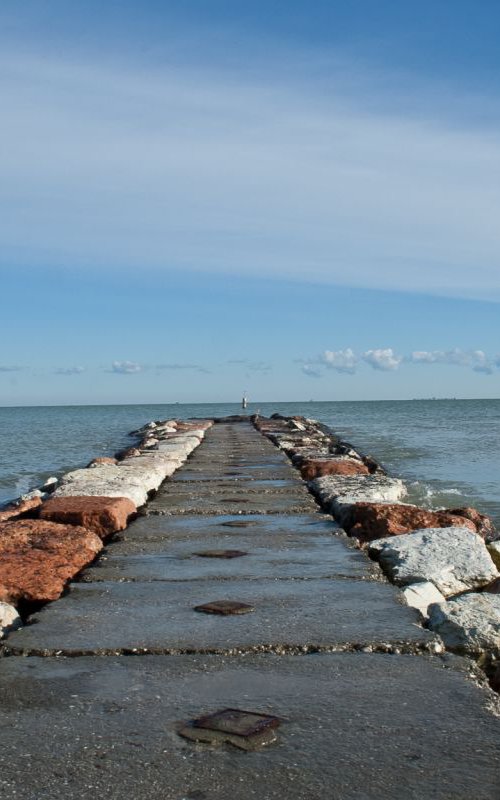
{"x":422,"y":595}
{"x":16,"y":510}
{"x":38,"y":558}
{"x":50,"y":485}
{"x":102,"y":515}
{"x":316,"y":467}
{"x":370,"y":521}
{"x":468,"y":624}
{"x":453,"y":559}
{"x":337,"y":493}
{"x":484,"y":524}
{"x":494,"y":551}
{"x":129,"y":453}
{"x":102,"y":460}
{"x":9,"y":619}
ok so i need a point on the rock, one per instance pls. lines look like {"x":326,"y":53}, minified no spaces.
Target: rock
{"x":16,"y":510}
{"x":468,"y":624}
{"x":102,"y":515}
{"x":38,"y":558}
{"x":493,"y":588}
{"x":316,"y":467}
{"x":129,"y":453}
{"x":494,"y":551}
{"x":31,"y":495}
{"x":483,"y":523}
{"x":9,"y":619}
{"x":338,"y":493}
{"x":50,"y":485}
{"x":370,"y":521}
{"x":102,"y":460}
{"x":422,"y":595}
{"x":453,"y":559}
{"x":150,"y":442}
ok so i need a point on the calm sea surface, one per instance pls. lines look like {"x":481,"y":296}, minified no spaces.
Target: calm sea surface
{"x":448,"y":451}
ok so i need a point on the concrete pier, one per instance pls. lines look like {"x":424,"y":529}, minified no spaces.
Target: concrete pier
{"x":94,"y":692}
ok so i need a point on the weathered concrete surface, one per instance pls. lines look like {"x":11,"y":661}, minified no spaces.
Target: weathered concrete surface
{"x":357,"y":727}
{"x":159,"y":617}
{"x":230,"y":501}
{"x":469,"y":624}
{"x":285,"y":557}
{"x":453,"y":559}
{"x":185,"y":527}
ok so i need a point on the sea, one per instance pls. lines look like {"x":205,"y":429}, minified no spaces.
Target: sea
{"x":447,"y":451}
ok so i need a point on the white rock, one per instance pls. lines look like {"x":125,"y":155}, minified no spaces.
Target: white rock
{"x":339,"y":492}
{"x":9,"y":619}
{"x":494,"y":551}
{"x":453,"y":559}
{"x":31,"y":496}
{"x":469,"y":624}
{"x":422,"y":595}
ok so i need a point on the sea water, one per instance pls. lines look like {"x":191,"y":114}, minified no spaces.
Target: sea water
{"x":448,"y":451}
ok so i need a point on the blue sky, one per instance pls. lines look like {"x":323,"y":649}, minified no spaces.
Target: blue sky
{"x":202,"y":198}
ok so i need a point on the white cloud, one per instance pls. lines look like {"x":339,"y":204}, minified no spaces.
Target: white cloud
{"x":212,"y":170}
{"x":125,"y":367}
{"x":339,"y":360}
{"x":383,"y":359}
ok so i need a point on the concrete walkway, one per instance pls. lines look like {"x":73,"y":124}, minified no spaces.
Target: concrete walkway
{"x":123,"y":661}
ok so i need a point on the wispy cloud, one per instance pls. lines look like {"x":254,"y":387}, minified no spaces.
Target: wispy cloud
{"x":69,"y":370}
{"x":251,"y":366}
{"x":476,"y":359}
{"x":194,"y":367}
{"x":311,"y":371}
{"x":125,"y":367}
{"x":12,"y":369}
{"x":201,"y":168}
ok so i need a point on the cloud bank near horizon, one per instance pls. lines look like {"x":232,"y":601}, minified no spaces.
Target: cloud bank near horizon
{"x":387,"y":360}
{"x":193,"y":168}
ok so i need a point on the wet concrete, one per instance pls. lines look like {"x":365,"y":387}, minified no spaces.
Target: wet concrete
{"x":158,"y":617}
{"x":169,"y":528}
{"x":285,"y":557}
{"x":356,"y":725}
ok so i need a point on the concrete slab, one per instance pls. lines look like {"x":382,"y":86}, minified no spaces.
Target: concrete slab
{"x":276,"y":488}
{"x":158,"y":617}
{"x":278,"y":558}
{"x":231,"y":501}
{"x":356,"y":727}
{"x":187,"y":527}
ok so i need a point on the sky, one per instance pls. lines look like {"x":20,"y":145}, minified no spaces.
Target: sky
{"x":200,"y":199}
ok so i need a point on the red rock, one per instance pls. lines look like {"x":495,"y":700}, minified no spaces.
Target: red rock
{"x":317,"y":467}
{"x":14,"y":511}
{"x":102,"y":460}
{"x":483,"y":523}
{"x":38,"y":558}
{"x":369,"y":521}
{"x":102,"y":515}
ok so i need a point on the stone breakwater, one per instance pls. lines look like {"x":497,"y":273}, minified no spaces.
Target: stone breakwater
{"x":446,"y":562}
{"x":50,"y":534}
